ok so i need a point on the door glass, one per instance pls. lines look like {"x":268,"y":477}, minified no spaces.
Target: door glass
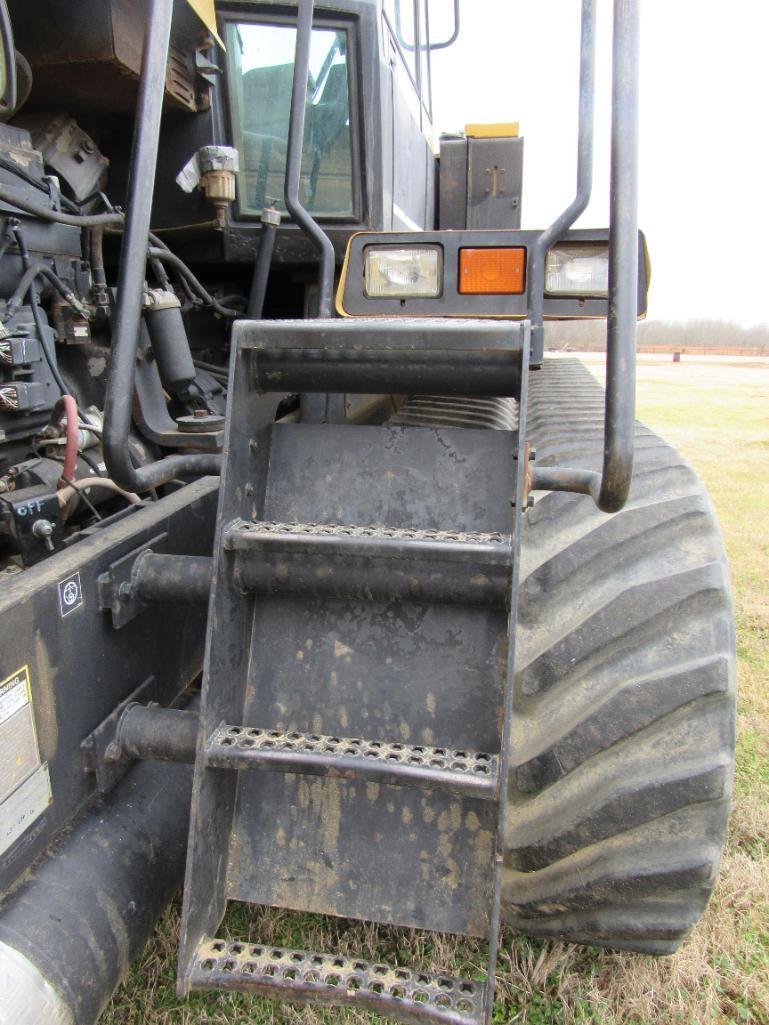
{"x":260,"y":61}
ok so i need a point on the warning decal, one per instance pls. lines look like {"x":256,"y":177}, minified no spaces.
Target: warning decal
{"x":25,"y":787}
{"x":14,"y":693}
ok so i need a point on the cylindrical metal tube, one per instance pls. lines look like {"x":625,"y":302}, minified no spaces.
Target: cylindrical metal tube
{"x":623,"y":262}
{"x":163,"y":317}
{"x":585,"y":131}
{"x":294,"y":205}
{"x":157,"y":734}
{"x":388,"y":372}
{"x":69,"y":933}
{"x":182,"y":579}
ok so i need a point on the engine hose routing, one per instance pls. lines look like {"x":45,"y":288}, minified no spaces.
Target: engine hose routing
{"x":42,"y":270}
{"x":166,"y":256}
{"x":58,"y":216}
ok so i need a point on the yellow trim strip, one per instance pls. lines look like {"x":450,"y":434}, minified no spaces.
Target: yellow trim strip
{"x":496,"y":130}
{"x":206,"y":12}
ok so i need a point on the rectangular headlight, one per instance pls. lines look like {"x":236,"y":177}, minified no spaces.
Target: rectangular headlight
{"x":403,"y":272}
{"x":577,"y":269}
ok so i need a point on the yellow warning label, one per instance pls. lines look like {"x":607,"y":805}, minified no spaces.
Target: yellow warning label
{"x":25,"y":788}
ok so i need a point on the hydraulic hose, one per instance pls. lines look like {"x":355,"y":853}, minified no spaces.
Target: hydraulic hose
{"x":42,"y":270}
{"x":270,"y":224}
{"x":166,"y":256}
{"x":66,"y":408}
{"x":45,"y":213}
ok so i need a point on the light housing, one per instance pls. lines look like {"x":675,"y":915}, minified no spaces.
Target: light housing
{"x":402,"y":272}
{"x":578,"y":269}
{"x":492,"y":271}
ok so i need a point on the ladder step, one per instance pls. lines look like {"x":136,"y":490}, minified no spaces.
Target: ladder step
{"x":298,"y":975}
{"x":469,"y":773}
{"x":383,"y":356}
{"x":371,"y":563}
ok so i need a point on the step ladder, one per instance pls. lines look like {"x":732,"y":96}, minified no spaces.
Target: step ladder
{"x":352,"y":757}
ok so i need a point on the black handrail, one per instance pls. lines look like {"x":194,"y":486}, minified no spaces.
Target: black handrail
{"x":585,"y":133}
{"x":133,"y":257}
{"x":610,"y":487}
{"x":294,"y":205}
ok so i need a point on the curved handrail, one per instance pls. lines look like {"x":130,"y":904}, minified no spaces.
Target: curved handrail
{"x":610,"y":487}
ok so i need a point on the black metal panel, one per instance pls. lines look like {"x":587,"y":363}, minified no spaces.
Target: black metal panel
{"x":494,"y":183}
{"x":80,"y":667}
{"x":392,"y":476}
{"x":452,"y":209}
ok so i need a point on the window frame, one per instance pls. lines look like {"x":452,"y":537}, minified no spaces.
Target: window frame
{"x":335,"y":23}
{"x":424,"y":90}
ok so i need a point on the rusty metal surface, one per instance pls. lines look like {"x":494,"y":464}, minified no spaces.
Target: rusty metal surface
{"x":301,"y":976}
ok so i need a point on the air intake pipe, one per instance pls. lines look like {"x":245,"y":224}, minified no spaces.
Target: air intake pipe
{"x":69,"y":931}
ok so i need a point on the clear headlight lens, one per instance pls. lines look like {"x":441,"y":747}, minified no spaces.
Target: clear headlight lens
{"x":402,"y":271}
{"x":577,"y":269}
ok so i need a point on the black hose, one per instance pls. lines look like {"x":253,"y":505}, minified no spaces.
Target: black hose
{"x":46,"y":214}
{"x":44,"y":271}
{"x":270,"y":222}
{"x":166,"y":256}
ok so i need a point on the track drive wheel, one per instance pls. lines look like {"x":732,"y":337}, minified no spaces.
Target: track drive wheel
{"x":623,"y":732}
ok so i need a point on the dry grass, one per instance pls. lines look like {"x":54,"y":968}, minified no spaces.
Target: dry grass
{"x":717,"y":414}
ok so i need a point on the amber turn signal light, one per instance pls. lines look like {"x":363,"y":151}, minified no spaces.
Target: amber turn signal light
{"x":492,"y":271}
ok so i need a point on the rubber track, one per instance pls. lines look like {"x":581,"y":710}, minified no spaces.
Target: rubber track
{"x":623,"y":731}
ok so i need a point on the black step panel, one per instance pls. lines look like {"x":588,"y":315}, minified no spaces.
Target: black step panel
{"x":470,"y":773}
{"x":298,"y":975}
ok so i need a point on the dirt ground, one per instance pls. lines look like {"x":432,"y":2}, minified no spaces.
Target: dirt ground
{"x":716,"y":412}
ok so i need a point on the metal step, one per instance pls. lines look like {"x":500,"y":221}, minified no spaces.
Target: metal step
{"x":383,"y":356}
{"x":371,"y":562}
{"x":298,"y":975}
{"x":471,"y":773}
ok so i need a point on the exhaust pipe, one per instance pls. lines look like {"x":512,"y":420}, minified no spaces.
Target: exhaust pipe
{"x":70,"y":930}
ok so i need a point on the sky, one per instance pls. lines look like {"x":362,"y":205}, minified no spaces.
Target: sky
{"x":704,"y":141}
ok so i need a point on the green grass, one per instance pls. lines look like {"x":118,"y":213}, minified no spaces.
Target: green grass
{"x":717,"y":415}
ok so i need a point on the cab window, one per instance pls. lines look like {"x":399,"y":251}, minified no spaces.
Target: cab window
{"x":260,"y":59}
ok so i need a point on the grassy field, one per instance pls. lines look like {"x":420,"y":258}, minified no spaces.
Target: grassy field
{"x":717,"y":414}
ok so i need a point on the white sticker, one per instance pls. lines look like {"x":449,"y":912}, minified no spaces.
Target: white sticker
{"x":14,"y":693}
{"x":70,"y":594}
{"x":26,"y":804}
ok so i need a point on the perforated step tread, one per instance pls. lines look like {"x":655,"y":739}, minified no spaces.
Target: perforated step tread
{"x":371,"y":540}
{"x":302,"y":976}
{"x":473,"y":773}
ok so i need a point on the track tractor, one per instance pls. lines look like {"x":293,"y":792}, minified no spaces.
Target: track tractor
{"x":322,"y":587}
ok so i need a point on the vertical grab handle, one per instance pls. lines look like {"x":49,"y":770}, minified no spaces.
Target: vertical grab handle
{"x":609,"y":488}
{"x":294,"y":205}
